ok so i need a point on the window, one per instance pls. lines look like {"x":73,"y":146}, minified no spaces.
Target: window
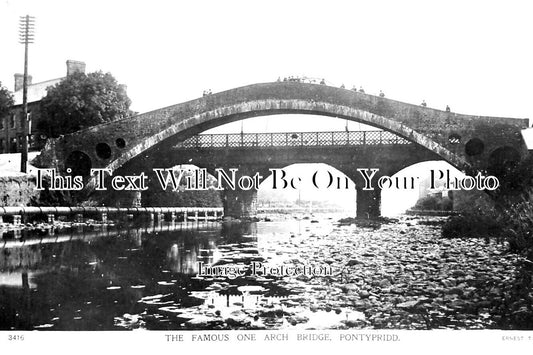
{"x":28,"y":122}
{"x":12,"y":123}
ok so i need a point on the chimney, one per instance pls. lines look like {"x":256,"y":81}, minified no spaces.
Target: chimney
{"x":19,"y":81}
{"x":74,"y":66}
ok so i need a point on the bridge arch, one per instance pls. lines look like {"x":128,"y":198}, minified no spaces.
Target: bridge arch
{"x":181,"y":129}
{"x":114,"y":144}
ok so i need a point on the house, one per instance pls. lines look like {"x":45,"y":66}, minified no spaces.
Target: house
{"x":11,"y":126}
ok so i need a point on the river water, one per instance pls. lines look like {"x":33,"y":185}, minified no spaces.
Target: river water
{"x":399,"y":275}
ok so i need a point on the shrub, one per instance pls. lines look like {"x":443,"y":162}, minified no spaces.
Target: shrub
{"x":472,"y":225}
{"x":518,"y":221}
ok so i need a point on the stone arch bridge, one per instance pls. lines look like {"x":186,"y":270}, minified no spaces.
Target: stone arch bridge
{"x":470,"y":143}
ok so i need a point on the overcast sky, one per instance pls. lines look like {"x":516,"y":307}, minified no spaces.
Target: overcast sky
{"x":475,"y":56}
{"x":472,"y":55}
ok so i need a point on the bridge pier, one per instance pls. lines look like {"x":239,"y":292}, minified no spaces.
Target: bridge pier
{"x":240,"y":204}
{"x":368,"y":203}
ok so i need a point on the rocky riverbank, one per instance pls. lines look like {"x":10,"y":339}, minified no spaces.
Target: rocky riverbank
{"x":405,"y":275}
{"x":45,"y":226}
{"x":401,"y":275}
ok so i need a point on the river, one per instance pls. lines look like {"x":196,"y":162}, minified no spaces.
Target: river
{"x":399,"y":275}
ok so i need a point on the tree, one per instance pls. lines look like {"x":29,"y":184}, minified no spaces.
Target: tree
{"x":83,"y":100}
{"x":6,"y":101}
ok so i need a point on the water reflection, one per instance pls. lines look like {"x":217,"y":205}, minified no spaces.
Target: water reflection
{"x":144,"y":276}
{"x":183,"y":256}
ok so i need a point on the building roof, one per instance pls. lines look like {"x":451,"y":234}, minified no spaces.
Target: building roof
{"x":35,"y":91}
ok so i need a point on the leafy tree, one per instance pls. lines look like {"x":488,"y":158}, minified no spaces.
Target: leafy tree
{"x":6,"y":101}
{"x":83,"y":100}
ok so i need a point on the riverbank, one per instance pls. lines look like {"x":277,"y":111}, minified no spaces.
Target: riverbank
{"x":402,"y":275}
{"x":396,"y":275}
{"x":405,"y":276}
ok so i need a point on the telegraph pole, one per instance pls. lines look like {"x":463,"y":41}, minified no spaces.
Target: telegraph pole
{"x":26,"y":27}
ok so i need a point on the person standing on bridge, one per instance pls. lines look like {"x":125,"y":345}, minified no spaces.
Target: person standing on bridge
{"x":381,"y":94}
{"x":323,"y":82}
{"x":447,"y":108}
{"x":423,"y":104}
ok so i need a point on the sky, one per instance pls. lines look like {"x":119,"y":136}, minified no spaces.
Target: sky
{"x":474,"y":56}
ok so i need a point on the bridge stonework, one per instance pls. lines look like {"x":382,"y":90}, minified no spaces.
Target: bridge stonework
{"x":470,"y":143}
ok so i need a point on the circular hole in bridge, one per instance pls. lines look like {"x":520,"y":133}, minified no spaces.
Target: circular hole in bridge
{"x":79,"y":162}
{"x":475,"y":146}
{"x":103,"y":150}
{"x":120,"y":142}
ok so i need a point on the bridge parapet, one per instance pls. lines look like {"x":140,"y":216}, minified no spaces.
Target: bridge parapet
{"x":293,"y":139}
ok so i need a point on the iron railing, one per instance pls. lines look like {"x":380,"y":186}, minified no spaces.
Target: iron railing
{"x":293,"y":139}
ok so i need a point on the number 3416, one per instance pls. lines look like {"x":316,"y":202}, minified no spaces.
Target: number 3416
{"x":15,"y":337}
